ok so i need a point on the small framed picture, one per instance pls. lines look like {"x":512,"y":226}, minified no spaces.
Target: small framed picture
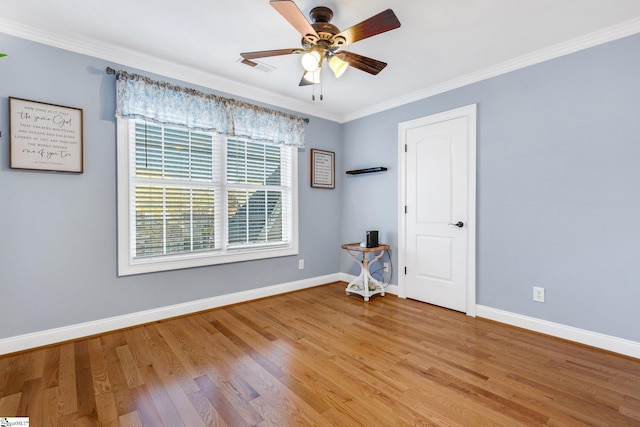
{"x":323,"y":169}
{"x":45,"y":137}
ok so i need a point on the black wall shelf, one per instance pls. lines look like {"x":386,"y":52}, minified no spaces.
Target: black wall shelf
{"x":367,"y":170}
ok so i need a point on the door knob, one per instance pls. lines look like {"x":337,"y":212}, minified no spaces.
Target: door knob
{"x":458,"y":224}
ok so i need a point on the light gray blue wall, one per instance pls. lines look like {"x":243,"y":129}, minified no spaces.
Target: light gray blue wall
{"x":58,"y":231}
{"x":558,"y":186}
{"x":558,"y":200}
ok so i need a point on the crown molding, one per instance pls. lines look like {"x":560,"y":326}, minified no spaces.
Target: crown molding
{"x":596,"y":38}
{"x":133,"y":59}
{"x":154,"y":65}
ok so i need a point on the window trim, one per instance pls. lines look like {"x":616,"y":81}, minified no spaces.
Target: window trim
{"x":127,"y":265}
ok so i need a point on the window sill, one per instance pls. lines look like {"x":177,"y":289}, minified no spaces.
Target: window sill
{"x":128,"y":267}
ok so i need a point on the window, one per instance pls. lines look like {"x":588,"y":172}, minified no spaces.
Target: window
{"x":192,"y":198}
{"x":188,"y":197}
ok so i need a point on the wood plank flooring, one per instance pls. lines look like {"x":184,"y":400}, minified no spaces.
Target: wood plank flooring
{"x":320,"y":358}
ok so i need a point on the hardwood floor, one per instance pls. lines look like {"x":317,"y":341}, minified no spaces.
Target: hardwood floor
{"x":319,"y":357}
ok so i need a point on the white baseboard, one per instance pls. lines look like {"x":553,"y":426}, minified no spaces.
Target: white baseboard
{"x":582,"y":336}
{"x":66,"y":333}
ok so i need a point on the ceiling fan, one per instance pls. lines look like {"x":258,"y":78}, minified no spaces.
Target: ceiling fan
{"x":322,"y":41}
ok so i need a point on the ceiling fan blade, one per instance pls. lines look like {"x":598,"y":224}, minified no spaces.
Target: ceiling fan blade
{"x":369,"y":65}
{"x":377,"y":24}
{"x":293,"y":14}
{"x":248,"y":56}
{"x":267,"y":53}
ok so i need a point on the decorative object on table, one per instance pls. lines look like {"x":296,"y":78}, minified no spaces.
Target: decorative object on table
{"x":372,"y":239}
{"x":45,"y":137}
{"x":323,"y":169}
{"x":365,"y":284}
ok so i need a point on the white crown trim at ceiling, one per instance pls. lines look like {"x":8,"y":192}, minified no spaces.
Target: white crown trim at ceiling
{"x":596,"y":38}
{"x":165,"y":68}
{"x":140,"y":61}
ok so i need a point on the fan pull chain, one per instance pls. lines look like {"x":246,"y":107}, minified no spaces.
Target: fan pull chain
{"x":313,"y":95}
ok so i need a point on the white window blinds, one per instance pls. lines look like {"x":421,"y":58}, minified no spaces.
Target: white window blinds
{"x":258,"y":193}
{"x":175,"y":191}
{"x":196,"y":198}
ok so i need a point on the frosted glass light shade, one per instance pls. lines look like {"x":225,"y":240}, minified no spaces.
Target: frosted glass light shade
{"x":338,"y":66}
{"x":312,"y":76}
{"x":310,"y":61}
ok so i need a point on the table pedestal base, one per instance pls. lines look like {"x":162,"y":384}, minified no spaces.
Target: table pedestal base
{"x":357,"y":286}
{"x":364,"y":285}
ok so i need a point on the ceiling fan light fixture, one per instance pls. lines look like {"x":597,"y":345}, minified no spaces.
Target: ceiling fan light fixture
{"x":338,"y":66}
{"x":311,"y":61}
{"x":321,"y":39}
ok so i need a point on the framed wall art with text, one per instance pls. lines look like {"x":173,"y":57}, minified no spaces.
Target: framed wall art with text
{"x":45,"y":137}
{"x":323,"y":165}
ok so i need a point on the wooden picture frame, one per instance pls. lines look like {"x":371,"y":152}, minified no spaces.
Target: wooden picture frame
{"x":45,"y":137}
{"x":323,"y":169}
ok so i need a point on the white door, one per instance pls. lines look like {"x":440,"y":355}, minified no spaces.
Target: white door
{"x":439,"y":223}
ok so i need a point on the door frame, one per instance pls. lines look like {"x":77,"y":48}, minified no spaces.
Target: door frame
{"x":469,"y":112}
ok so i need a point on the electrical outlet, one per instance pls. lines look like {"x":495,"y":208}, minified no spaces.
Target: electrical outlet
{"x":300,"y":264}
{"x":386,"y":267}
{"x":538,"y":294}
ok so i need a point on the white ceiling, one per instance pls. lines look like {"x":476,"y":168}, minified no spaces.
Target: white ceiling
{"x":441,"y":44}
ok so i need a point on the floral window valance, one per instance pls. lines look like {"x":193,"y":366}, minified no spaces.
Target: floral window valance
{"x":166,"y":104}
